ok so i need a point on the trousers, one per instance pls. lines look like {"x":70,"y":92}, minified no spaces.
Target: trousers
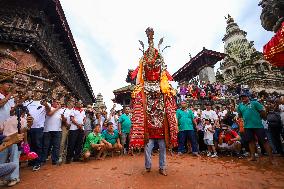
{"x":162,"y":153}
{"x":75,"y":142}
{"x":51,"y":139}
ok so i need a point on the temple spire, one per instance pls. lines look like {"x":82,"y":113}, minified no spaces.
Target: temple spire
{"x":229,"y":19}
{"x":233,"y":30}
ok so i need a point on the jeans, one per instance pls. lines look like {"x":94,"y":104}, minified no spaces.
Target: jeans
{"x":12,"y":153}
{"x":36,"y":144}
{"x":182,"y":138}
{"x":75,"y":143}
{"x":162,"y":153}
{"x":51,"y":139}
{"x":6,"y":169}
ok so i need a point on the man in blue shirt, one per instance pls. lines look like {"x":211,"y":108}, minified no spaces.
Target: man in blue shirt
{"x":124,"y":127}
{"x":186,"y":123}
{"x":252,"y":112}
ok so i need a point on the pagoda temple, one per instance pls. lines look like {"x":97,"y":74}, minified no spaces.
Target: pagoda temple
{"x":34,"y":35}
{"x":100,"y":105}
{"x":122,"y":95}
{"x":243,"y":65}
{"x":201,"y":65}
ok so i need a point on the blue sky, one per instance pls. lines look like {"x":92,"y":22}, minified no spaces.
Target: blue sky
{"x":107,"y":32}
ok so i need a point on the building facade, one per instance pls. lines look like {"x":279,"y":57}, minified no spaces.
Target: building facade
{"x":244,"y":65}
{"x":37,"y":35}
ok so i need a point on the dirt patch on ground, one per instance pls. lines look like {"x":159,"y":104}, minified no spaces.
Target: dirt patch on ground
{"x":183,"y":172}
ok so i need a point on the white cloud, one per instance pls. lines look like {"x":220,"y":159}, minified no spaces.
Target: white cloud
{"x":107,"y":32}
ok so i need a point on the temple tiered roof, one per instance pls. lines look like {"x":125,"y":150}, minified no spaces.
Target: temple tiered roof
{"x":191,"y":69}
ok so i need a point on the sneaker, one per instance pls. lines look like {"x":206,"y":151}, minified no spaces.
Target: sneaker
{"x":60,"y":160}
{"x":214,"y":155}
{"x":13,"y":182}
{"x":209,"y":154}
{"x":148,"y":170}
{"x":246,"y":154}
{"x":179,"y":153}
{"x":3,"y":182}
{"x":36,"y":167}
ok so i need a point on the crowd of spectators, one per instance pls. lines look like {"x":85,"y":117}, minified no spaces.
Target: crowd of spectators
{"x":58,"y":132}
{"x":246,"y":122}
{"x":52,"y":131}
{"x":205,"y":91}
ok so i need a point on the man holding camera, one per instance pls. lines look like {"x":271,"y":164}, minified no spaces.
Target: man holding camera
{"x":53,"y":132}
{"x":38,"y":109}
{"x":229,"y":140}
{"x":66,"y":124}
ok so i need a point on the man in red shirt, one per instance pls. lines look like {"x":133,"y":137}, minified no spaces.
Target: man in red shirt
{"x":229,"y":140}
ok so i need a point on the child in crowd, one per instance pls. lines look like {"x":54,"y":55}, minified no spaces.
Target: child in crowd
{"x":208,"y":139}
{"x":183,"y":92}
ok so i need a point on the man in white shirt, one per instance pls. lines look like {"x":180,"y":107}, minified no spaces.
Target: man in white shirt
{"x":52,"y":132}
{"x":38,"y":110}
{"x":6,"y":100}
{"x":208,"y":113}
{"x":112,"y":118}
{"x":76,"y":133}
{"x":65,"y":129}
{"x":100,"y":120}
{"x":223,"y":113}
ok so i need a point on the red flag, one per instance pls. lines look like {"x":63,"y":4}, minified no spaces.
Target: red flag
{"x":170,"y":78}
{"x":134,"y":73}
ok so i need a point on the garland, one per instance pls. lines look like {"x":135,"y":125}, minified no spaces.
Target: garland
{"x":154,"y":59}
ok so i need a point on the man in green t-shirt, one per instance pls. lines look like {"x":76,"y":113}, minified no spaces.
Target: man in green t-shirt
{"x":111,"y":139}
{"x":186,"y":123}
{"x":94,"y":142}
{"x":252,"y":112}
{"x":124,"y":125}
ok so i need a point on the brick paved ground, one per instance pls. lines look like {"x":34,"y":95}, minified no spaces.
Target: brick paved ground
{"x":184,"y":172}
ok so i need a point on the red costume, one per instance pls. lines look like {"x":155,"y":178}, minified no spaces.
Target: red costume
{"x":153,"y":101}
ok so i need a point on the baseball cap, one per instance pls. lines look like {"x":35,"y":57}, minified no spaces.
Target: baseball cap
{"x":246,"y":93}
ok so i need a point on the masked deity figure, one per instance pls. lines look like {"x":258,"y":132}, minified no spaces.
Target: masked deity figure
{"x":153,"y":100}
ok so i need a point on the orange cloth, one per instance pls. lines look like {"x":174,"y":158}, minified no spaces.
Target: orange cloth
{"x":240,"y":122}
